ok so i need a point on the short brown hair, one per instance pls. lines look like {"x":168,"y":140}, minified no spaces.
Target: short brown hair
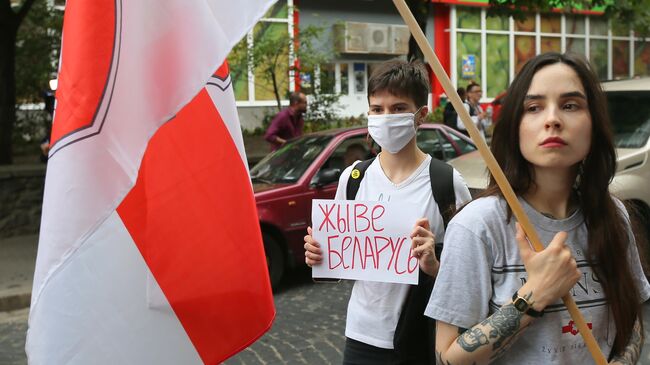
{"x":401,"y":78}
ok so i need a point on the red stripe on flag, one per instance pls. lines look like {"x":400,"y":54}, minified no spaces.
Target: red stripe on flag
{"x":87,"y":49}
{"x":193,"y":217}
{"x":223,"y":71}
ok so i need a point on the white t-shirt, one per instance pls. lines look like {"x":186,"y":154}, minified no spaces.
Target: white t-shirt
{"x":374,"y":308}
{"x":481,"y":124}
{"x":481,"y":268}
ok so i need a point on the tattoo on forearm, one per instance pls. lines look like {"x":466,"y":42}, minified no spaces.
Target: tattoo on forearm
{"x":472,"y":339}
{"x":632,"y":351}
{"x":505,"y":323}
{"x":501,"y":326}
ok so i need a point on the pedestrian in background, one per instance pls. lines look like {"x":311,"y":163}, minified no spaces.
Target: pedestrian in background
{"x":473,"y":107}
{"x":555,"y":145}
{"x":288,"y":123}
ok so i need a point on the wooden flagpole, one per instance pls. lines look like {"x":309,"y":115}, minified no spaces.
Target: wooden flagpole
{"x":496,"y":171}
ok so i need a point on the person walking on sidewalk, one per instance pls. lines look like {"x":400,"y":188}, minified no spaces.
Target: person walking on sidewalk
{"x":288,"y":123}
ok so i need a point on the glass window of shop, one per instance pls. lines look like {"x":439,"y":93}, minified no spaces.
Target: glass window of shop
{"x":255,"y":84}
{"x":505,"y":45}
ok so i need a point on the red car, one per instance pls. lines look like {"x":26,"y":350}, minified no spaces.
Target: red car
{"x":306,"y":168}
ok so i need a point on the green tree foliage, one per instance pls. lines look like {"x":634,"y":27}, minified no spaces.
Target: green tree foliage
{"x":37,"y":52}
{"x":29,"y":34}
{"x":10,"y":20}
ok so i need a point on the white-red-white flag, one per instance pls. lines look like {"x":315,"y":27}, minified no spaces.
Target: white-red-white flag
{"x":150,"y":250}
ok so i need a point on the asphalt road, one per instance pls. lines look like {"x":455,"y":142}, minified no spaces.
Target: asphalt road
{"x":308,"y":328}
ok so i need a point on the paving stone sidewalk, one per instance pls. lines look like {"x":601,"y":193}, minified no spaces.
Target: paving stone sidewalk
{"x":17,"y":260}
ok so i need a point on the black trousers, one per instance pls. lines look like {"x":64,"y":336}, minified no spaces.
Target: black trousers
{"x":359,"y":353}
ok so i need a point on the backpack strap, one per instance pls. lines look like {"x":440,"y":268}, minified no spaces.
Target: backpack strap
{"x":356,"y":175}
{"x":442,"y":187}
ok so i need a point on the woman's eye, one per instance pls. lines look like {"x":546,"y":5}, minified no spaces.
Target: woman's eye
{"x":570,"y":106}
{"x":532,"y":108}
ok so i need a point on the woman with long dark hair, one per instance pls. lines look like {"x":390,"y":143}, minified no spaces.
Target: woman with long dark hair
{"x":493,"y":291}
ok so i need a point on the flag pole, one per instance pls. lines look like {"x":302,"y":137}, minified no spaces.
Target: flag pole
{"x":496,"y":171}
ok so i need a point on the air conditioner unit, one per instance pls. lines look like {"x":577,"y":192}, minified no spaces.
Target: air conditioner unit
{"x":379,"y":40}
{"x":400,"y":36}
{"x":351,"y":37}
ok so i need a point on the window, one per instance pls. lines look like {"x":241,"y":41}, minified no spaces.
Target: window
{"x":349,"y":151}
{"x":598,"y":56}
{"x":630,"y":115}
{"x":498,"y":54}
{"x":431,"y":142}
{"x":343,"y":72}
{"x":463,"y":145}
{"x":272,"y":34}
{"x":551,"y":23}
{"x":642,"y":58}
{"x":491,"y":50}
{"x":468,"y":47}
{"x":255,"y":85}
{"x":621,"y":59}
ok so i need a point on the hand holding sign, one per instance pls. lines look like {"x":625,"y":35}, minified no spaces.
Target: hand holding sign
{"x":313,"y":253}
{"x":366,"y":241}
{"x":424,"y":247}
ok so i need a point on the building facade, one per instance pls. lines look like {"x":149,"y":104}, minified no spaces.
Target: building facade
{"x":472,"y":46}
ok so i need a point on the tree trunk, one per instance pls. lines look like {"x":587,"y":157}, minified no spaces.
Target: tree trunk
{"x":275,"y":91}
{"x":7,"y":92}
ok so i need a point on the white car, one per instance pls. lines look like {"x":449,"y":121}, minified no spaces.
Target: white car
{"x":629,"y":109}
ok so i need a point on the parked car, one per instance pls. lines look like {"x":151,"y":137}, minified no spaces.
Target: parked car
{"x":286,"y":181}
{"x":629,"y":109}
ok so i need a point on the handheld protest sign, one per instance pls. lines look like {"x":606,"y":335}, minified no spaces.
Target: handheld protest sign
{"x":364,"y":240}
{"x":496,"y":171}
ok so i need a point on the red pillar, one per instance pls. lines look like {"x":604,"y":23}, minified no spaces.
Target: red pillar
{"x":296,"y":44}
{"x":441,"y":22}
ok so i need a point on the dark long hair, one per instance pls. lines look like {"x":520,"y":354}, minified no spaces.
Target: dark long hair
{"x":608,"y":240}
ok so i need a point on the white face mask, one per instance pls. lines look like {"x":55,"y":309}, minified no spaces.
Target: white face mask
{"x":392,"y":131}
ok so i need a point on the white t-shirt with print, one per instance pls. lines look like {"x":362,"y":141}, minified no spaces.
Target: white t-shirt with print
{"x":374,"y":308}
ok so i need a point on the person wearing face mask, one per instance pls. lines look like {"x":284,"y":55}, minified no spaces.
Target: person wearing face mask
{"x":397,"y":95}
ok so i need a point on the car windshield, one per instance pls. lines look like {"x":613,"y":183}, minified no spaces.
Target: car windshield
{"x":630,"y":115}
{"x":289,"y":162}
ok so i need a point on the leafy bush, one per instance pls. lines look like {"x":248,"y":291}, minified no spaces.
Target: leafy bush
{"x":436,"y":116}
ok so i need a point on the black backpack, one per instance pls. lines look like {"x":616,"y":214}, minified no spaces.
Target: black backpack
{"x":415,"y":334}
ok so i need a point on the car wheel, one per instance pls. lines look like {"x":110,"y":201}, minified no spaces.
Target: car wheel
{"x":274,"y":259}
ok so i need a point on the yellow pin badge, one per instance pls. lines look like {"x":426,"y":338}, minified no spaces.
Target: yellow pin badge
{"x":355,"y":173}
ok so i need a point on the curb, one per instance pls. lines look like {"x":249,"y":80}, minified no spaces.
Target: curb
{"x":14,"y":299}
